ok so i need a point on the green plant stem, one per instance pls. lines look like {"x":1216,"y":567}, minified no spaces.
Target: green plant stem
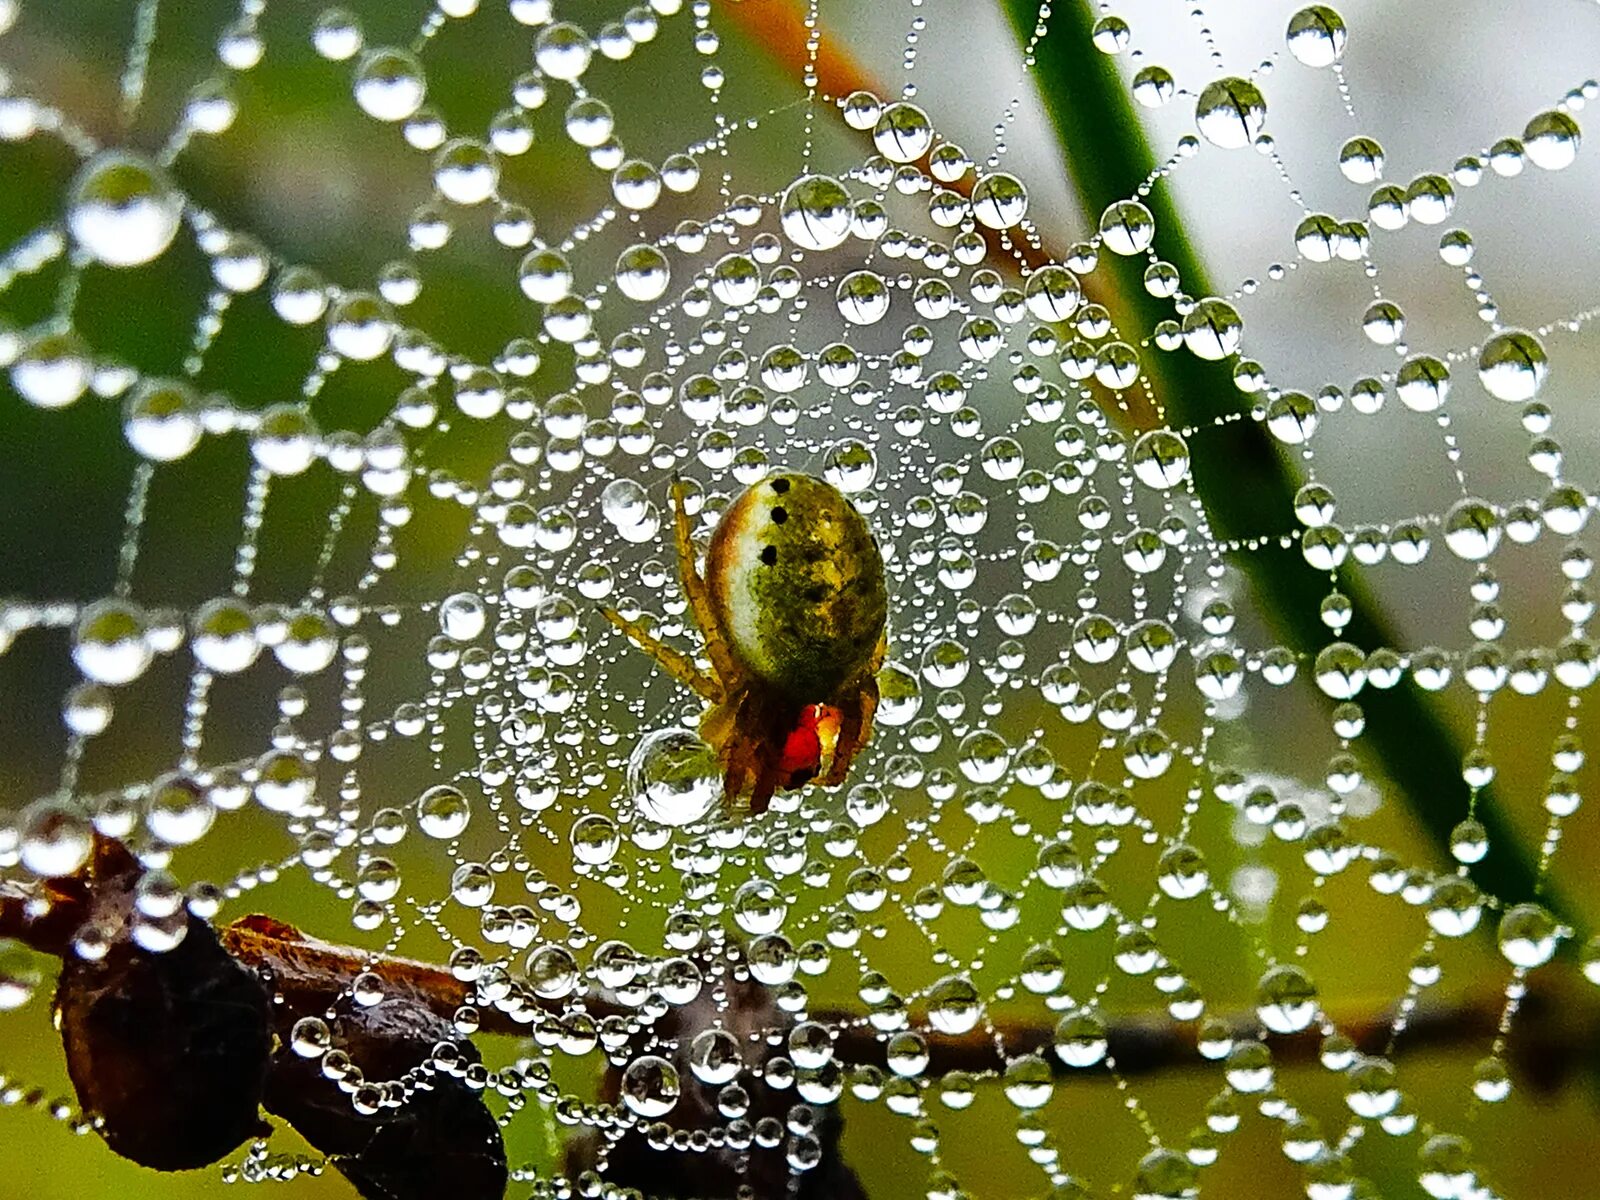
{"x":1239,"y":474}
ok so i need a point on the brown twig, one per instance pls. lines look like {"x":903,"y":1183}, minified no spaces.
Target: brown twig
{"x":311,"y":976}
{"x":1549,"y":1024}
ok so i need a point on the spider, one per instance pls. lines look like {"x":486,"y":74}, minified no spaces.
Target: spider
{"x":792,"y":607}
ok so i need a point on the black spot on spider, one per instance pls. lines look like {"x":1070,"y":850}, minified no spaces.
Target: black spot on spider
{"x":769,"y":555}
{"x":780,"y":486}
{"x":780,"y":515}
{"x":816,"y":595}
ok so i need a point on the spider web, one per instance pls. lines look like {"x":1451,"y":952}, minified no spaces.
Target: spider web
{"x":351,"y":353}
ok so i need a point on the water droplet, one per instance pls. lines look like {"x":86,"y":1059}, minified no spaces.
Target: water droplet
{"x":850,"y":465}
{"x":642,"y":274}
{"x":999,"y":201}
{"x":1286,"y":999}
{"x":53,"y":370}
{"x":1528,"y":936}
{"x":123,"y":209}
{"x":443,"y":812}
{"x":1361,"y":160}
{"x":1213,"y":329}
{"x":816,"y":212}
{"x":54,"y":838}
{"x":1551,"y":140}
{"x":650,"y":1086}
{"x":1423,"y":383}
{"x":563,"y":51}
{"x":110,"y":643}
{"x":902,"y":133}
{"x":311,"y":1037}
{"x":1230,"y":113}
{"x":1127,"y":227}
{"x":1160,"y":459}
{"x":758,"y":907}
{"x":462,"y":617}
{"x":1512,"y":366}
{"x":1153,"y":86}
{"x":954,"y":1005}
{"x":285,"y":440}
{"x":178,"y":810}
{"x":1316,"y":36}
{"x":714,"y":1057}
{"x":20,"y":975}
{"x":465,"y":171}
{"x":336,"y":34}
{"x":1472,"y":529}
{"x":389,"y":84}
{"x":595,"y":840}
{"x":863,"y":298}
{"x":1165,"y":1175}
{"x":674,"y":777}
{"x":471,"y":885}
{"x":161,"y":419}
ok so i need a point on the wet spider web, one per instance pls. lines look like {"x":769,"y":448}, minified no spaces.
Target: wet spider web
{"x":349,"y":356}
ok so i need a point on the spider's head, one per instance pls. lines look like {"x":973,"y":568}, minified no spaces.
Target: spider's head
{"x":809,"y":747}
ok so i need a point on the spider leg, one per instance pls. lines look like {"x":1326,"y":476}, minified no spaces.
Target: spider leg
{"x":674,"y":662}
{"x":741,"y":756}
{"x":694,"y":589}
{"x":855,"y":729}
{"x":879,"y":653}
{"x":767,"y":782}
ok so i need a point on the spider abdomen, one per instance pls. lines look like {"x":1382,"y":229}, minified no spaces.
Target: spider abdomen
{"x":796,"y":584}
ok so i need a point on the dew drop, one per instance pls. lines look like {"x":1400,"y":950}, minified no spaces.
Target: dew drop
{"x":1423,"y":383}
{"x":863,"y":298}
{"x":54,"y":838}
{"x":674,"y":777}
{"x":999,"y":201}
{"x":1512,"y":366}
{"x":465,"y":171}
{"x":177,"y":810}
{"x":161,"y":420}
{"x":389,"y":84}
{"x":123,"y":209}
{"x":336,"y":34}
{"x":1212,"y":330}
{"x":110,"y":643}
{"x":850,"y":465}
{"x":53,"y":370}
{"x":285,"y":440}
{"x":816,"y":213}
{"x":650,"y":1086}
{"x":902,"y":133}
{"x":1551,"y":140}
{"x":443,"y":812}
{"x":595,"y":840}
{"x":20,"y":975}
{"x":642,"y":273}
{"x":1127,"y":227}
{"x":1230,"y":113}
{"x":1528,"y":936}
{"x":463,"y":616}
{"x":1316,"y":36}
{"x":714,"y":1057}
{"x":1160,"y":459}
{"x":1286,"y":999}
{"x":563,"y":51}
{"x":1165,"y":1175}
